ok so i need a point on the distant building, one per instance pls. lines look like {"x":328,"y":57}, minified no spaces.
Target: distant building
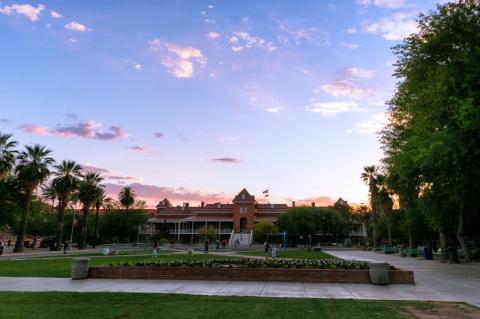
{"x":232,"y":221}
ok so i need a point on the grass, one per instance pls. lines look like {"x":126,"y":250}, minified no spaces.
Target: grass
{"x":291,"y":253}
{"x":58,"y":305}
{"x":60,"y":267}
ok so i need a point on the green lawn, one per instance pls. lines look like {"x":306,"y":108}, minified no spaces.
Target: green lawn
{"x":58,"y":305}
{"x":60,"y":266}
{"x":291,"y":253}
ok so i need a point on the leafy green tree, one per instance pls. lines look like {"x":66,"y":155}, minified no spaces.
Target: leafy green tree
{"x":435,"y":117}
{"x":119,"y":225}
{"x":11,"y":197}
{"x":102,"y":201}
{"x":264,"y":230}
{"x":7,"y":154}
{"x":88,"y":191}
{"x":207,"y":232}
{"x":65,"y":183}
{"x":49,"y":194}
{"x":32,"y":169}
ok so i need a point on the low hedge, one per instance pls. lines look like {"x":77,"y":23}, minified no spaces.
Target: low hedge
{"x":252,"y":263}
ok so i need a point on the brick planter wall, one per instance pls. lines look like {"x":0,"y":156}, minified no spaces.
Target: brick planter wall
{"x":247,"y":274}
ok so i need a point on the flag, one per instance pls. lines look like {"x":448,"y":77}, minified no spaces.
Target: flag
{"x":265,"y":192}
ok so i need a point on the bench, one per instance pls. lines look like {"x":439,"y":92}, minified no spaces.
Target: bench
{"x":412,"y":252}
{"x":389,"y":249}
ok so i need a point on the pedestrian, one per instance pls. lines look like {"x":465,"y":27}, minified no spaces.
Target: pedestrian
{"x":224,"y":243}
{"x":2,"y":245}
{"x":267,"y":247}
{"x":155,"y":249}
{"x":65,"y":247}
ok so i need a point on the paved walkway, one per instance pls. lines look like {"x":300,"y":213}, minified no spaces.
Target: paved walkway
{"x":435,"y":281}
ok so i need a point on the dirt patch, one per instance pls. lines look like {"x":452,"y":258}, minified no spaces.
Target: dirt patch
{"x":443,"y":310}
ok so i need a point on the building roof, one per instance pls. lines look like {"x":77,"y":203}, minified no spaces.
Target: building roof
{"x":244,"y":197}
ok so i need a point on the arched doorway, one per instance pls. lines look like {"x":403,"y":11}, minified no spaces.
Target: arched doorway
{"x":243,"y":224}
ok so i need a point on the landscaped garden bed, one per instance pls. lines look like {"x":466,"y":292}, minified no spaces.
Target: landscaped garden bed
{"x":302,"y":270}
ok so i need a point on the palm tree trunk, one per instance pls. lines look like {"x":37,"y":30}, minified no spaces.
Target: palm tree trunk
{"x":83,"y":234}
{"x":461,"y":239}
{"x":96,"y":226}
{"x":61,"y":220}
{"x":443,"y":242}
{"x":22,"y":227}
{"x":389,"y":230}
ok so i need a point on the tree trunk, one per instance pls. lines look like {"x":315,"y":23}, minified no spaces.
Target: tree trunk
{"x":96,"y":226}
{"x":61,"y":220}
{"x":443,"y":242}
{"x":461,"y":239}
{"x":83,"y":234}
{"x":22,"y":227}
{"x":389,"y":230}
{"x":410,"y":239}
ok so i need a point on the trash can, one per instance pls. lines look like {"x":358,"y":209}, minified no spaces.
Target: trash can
{"x":428,"y":253}
{"x":80,"y":268}
{"x":453,"y":255}
{"x":274,"y":252}
{"x":379,"y":273}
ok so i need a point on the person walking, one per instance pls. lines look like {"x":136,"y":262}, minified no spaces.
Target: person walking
{"x":267,"y":247}
{"x":65,"y":247}
{"x":155,"y":249}
{"x":2,"y":246}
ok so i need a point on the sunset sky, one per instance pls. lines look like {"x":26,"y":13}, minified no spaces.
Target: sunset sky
{"x":194,"y":100}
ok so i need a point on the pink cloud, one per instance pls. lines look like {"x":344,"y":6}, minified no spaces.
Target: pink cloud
{"x":153,"y":194}
{"x":34,"y":129}
{"x":319,"y":201}
{"x":94,"y":169}
{"x":26,"y":10}
{"x":226,"y":160}
{"x":89,"y":130}
{"x":138,"y":148}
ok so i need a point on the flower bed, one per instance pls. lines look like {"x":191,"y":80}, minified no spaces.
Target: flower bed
{"x":252,"y":263}
{"x":294,"y":270}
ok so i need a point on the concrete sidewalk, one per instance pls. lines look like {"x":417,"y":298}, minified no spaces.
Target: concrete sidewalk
{"x":434,"y":281}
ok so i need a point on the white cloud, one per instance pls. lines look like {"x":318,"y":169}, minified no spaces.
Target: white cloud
{"x":260,"y":100}
{"x":352,"y":30}
{"x":76,"y":26}
{"x":213,"y":35}
{"x":350,"y":46}
{"x":305,"y":34}
{"x":395,"y":27}
{"x":344,"y":88}
{"x":274,"y":109}
{"x":360,"y":73}
{"x":373,"y":124}
{"x":72,"y":40}
{"x":243,"y":40}
{"x":26,"y":10}
{"x":391,"y":4}
{"x":55,"y":14}
{"x":138,"y":67}
{"x":330,"y":109}
{"x":179,"y":61}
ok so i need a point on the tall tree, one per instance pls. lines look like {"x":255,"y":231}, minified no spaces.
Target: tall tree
{"x":127,"y":197}
{"x":102,"y":201}
{"x":7,"y":154}
{"x":32,"y":169}
{"x":67,"y":177}
{"x":369,"y":176}
{"x":88,"y":192}
{"x":49,"y":194}
{"x":385,"y":204}
{"x":435,"y":115}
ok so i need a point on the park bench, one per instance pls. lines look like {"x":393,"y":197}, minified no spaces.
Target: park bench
{"x":412,"y":252}
{"x":389,"y":249}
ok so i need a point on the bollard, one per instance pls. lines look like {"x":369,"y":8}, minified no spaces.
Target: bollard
{"x":379,"y":273}
{"x":80,"y":268}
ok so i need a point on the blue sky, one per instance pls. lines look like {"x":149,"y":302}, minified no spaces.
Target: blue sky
{"x":195,"y":100}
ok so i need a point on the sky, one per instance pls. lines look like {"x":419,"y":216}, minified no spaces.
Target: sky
{"x":195,"y":100}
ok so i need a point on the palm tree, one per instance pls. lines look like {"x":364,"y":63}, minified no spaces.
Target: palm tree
{"x":101,"y":202}
{"x":127,"y":197}
{"x":385,"y":204}
{"x":88,"y":192}
{"x":67,"y":177}
{"x":32,"y":170}
{"x":7,"y":154}
{"x":369,"y":176}
{"x":49,"y":194}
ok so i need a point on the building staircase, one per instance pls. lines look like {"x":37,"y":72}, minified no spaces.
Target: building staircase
{"x":243,"y":239}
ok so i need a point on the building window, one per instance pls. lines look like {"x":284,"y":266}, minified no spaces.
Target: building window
{"x":243,"y":210}
{"x":243,"y":196}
